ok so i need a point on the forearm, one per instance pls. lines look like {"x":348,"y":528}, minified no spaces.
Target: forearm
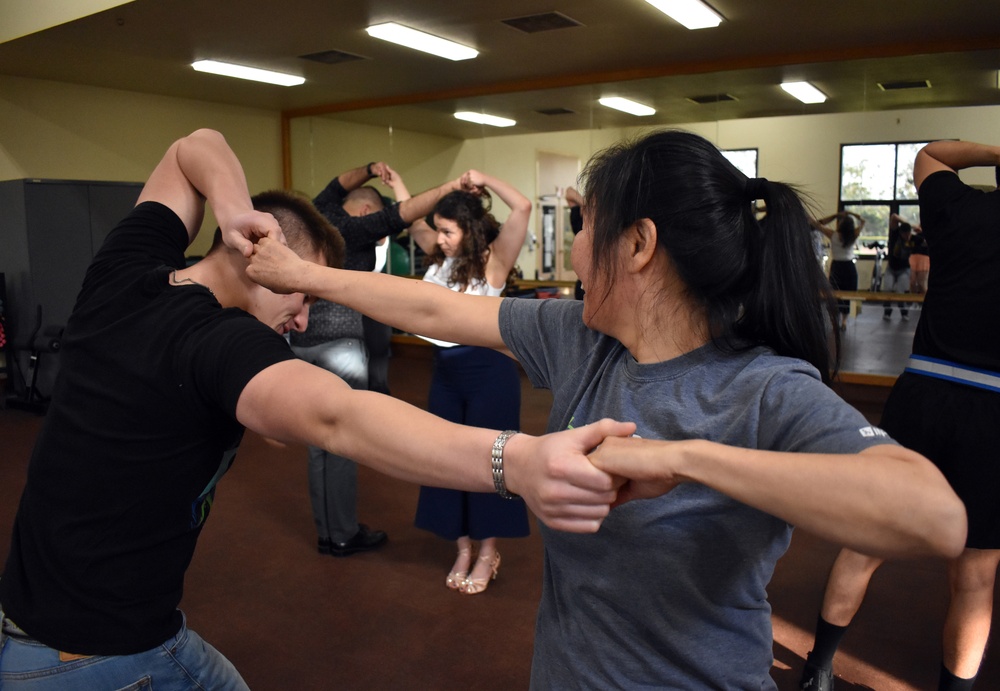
{"x":399,"y":190}
{"x":508,"y":194}
{"x":423,"y":235}
{"x":354,"y":178}
{"x":293,"y":401}
{"x":958,"y":155}
{"x":551,"y":473}
{"x":197,"y":167}
{"x":297,"y":402}
{"x":887,"y":501}
{"x":213,"y":169}
{"x":405,"y":442}
{"x":421,"y":204}
{"x":411,"y":305}
{"x":819,"y":224}
{"x":507,"y":245}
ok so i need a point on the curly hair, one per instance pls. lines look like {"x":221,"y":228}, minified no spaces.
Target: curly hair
{"x":479,"y":229}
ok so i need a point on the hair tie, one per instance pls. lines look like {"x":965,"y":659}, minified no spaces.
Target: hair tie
{"x":756,"y":188}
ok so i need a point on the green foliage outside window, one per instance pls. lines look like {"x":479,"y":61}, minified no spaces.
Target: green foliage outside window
{"x":876,"y":181}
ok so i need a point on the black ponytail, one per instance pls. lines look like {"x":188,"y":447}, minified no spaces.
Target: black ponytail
{"x":756,"y":278}
{"x":790,"y":305}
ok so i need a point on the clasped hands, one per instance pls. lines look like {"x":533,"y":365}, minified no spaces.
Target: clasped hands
{"x":244,"y":230}
{"x":275,"y":266}
{"x":572,"y":479}
{"x":470,"y":181}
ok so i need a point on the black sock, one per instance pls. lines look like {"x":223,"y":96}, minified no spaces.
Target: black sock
{"x":949,"y":682}
{"x":827,"y":639}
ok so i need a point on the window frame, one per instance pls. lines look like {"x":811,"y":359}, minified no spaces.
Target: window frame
{"x":905,"y":207}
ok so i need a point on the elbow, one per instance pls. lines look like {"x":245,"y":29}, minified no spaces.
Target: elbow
{"x":947,"y":537}
{"x":942,"y":523}
{"x":938,"y":530}
{"x":935,"y":521}
{"x":206,"y":134}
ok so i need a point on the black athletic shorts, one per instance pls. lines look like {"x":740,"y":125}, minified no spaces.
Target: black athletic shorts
{"x":958,"y":428}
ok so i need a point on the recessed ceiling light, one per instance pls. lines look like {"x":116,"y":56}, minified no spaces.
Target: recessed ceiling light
{"x":625,"y":105}
{"x":242,"y":72}
{"x":484,"y":119}
{"x":804,"y":91}
{"x":693,"y":14}
{"x":418,"y":40}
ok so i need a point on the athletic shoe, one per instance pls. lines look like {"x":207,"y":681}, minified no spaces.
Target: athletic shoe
{"x":816,"y":679}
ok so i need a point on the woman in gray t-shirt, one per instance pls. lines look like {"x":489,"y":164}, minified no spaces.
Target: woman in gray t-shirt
{"x":709,"y":325}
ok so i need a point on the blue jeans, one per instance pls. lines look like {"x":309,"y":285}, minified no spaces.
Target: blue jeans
{"x":181,"y":663}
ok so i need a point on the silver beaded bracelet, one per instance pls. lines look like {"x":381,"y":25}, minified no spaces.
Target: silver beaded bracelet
{"x":496,"y":458}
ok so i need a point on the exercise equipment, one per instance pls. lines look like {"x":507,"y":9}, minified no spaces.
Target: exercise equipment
{"x":42,"y":340}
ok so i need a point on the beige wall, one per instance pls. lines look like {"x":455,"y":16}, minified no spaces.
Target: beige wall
{"x":67,"y":132}
{"x":322,"y":148}
{"x":64,"y":131}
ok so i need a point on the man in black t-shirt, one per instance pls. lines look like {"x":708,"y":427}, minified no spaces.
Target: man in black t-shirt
{"x":945,"y":405}
{"x":162,"y":369}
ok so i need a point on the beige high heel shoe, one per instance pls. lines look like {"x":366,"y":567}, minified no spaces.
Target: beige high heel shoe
{"x":473,"y":586}
{"x":455,"y":579}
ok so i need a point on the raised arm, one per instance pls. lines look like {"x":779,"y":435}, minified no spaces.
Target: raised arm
{"x":423,"y":235}
{"x":420,"y":205}
{"x":394,"y":181}
{"x":297,"y":402}
{"x":859,"y":223}
{"x":573,"y":197}
{"x":820,"y":224}
{"x":411,"y":305}
{"x":354,"y":178}
{"x":952,"y":156}
{"x":885,"y":501}
{"x":506,"y":248}
{"x":201,"y":167}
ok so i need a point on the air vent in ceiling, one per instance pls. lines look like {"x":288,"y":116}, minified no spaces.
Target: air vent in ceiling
{"x":900,"y":86}
{"x":555,"y":111}
{"x":332,"y":57}
{"x":541,"y":22}
{"x":711,"y":98}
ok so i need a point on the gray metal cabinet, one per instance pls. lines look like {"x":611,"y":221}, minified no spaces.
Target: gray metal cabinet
{"x":49,"y":232}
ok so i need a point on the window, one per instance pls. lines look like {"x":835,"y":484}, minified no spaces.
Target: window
{"x":876,"y":181}
{"x":744,"y":159}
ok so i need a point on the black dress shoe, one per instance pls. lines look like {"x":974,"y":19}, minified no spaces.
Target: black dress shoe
{"x":364,"y":540}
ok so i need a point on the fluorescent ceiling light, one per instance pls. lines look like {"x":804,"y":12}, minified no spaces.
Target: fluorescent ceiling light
{"x":626,"y":105}
{"x":252,"y":73}
{"x":804,"y":91}
{"x":483,"y":119}
{"x":693,"y":14}
{"x":418,"y":40}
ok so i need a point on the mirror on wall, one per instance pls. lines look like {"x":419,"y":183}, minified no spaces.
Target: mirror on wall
{"x":735,"y":109}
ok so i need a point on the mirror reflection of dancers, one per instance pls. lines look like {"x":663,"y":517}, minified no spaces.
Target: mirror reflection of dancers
{"x":843,"y":267}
